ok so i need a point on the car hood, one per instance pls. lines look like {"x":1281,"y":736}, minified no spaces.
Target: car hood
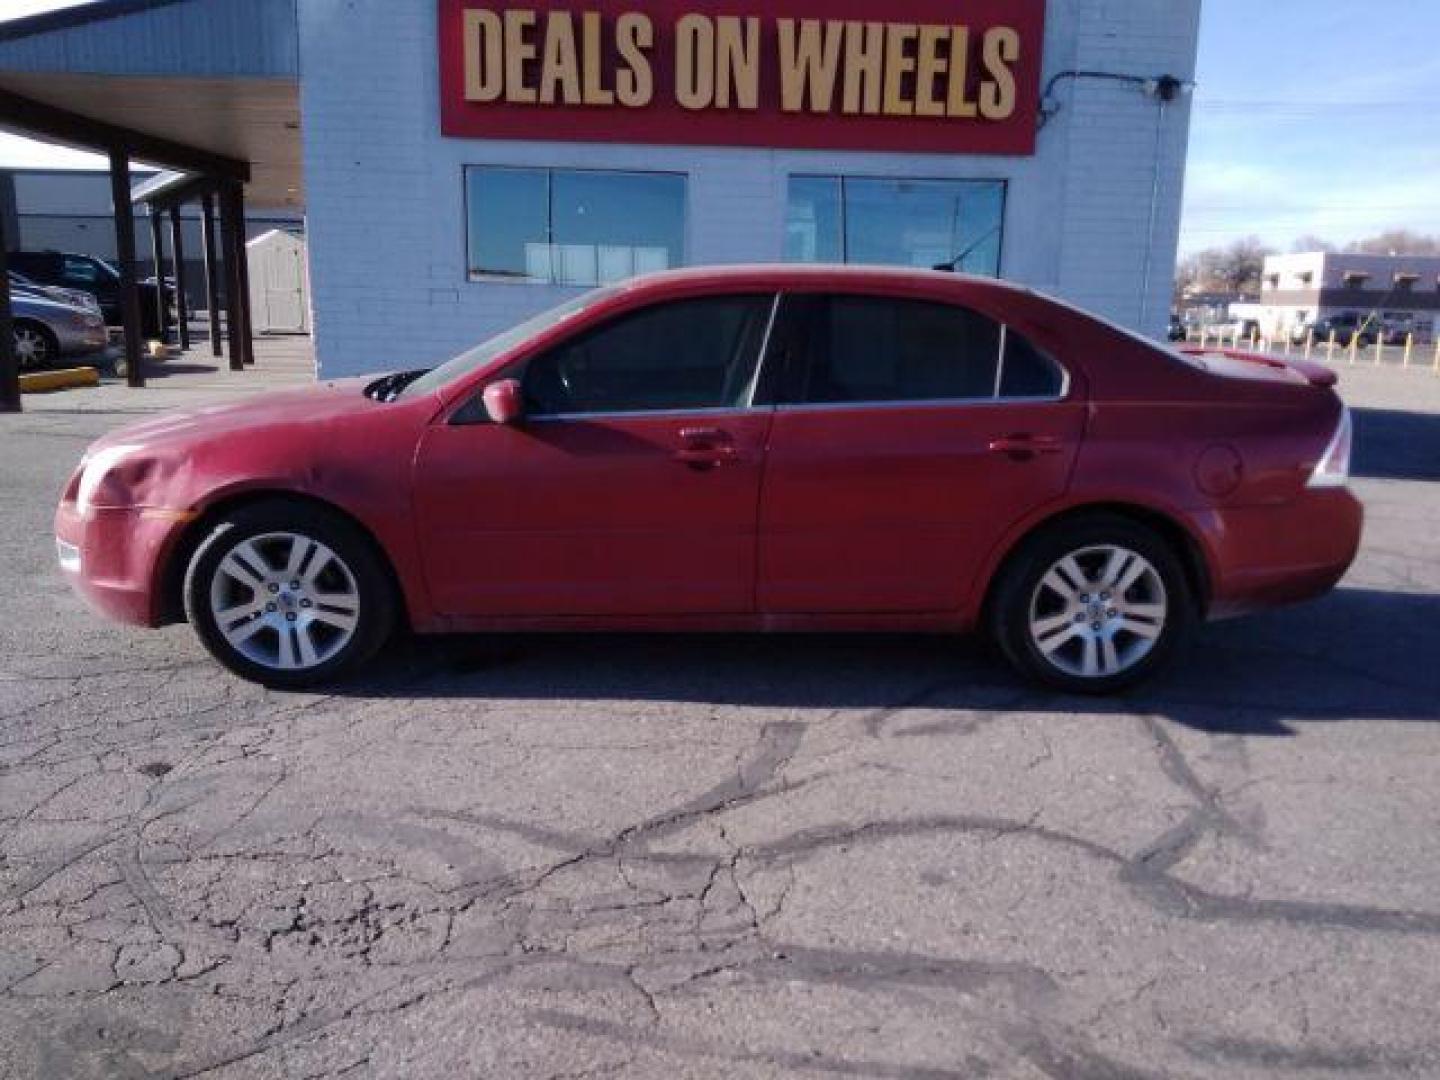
{"x":43,"y":306}
{"x":313,"y":407}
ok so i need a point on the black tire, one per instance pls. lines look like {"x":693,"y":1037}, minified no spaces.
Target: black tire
{"x":39,"y":337}
{"x":1018,"y":592}
{"x":357,"y":565}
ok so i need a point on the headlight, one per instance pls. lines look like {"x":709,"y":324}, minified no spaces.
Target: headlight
{"x":96,"y":469}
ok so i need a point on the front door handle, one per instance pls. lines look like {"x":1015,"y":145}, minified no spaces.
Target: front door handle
{"x":1024,"y":446}
{"x":705,"y":448}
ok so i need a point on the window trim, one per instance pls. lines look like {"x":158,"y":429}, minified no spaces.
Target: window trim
{"x":490,"y":278}
{"x":1063,"y":394}
{"x":761,"y":354}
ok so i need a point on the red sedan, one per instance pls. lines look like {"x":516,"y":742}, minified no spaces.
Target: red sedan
{"x":769,"y":448}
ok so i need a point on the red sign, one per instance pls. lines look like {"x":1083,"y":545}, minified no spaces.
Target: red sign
{"x":948,"y":76}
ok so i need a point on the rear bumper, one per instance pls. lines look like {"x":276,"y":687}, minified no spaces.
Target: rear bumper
{"x":1267,"y":556}
{"x":112,"y":559}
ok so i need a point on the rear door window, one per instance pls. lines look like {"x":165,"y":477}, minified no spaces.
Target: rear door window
{"x":831,"y":350}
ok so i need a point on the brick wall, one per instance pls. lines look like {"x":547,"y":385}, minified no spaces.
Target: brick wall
{"x":386,"y":207}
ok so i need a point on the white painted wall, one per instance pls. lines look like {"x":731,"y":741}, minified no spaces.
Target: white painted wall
{"x":386,"y":204}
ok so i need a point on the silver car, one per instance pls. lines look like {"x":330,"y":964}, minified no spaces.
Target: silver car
{"x":46,"y":329}
{"x":76,"y":297}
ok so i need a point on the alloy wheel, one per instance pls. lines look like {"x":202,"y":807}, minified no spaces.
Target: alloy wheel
{"x":31,"y":348}
{"x":285,"y":601}
{"x":1098,"y":612}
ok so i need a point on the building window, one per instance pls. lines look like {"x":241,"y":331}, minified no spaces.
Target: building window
{"x":570,"y":226}
{"x":919,"y":223}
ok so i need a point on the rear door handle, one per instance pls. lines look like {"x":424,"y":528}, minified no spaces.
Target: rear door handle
{"x":1023,"y":446}
{"x":705,"y":448}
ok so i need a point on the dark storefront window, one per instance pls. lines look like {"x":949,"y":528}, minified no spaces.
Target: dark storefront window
{"x":572,"y":227}
{"x":920,"y":223}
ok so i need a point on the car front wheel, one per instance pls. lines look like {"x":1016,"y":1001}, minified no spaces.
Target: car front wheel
{"x":288,"y":595}
{"x":1094,"y":606}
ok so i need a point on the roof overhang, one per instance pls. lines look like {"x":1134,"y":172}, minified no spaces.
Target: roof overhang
{"x":191,"y":85}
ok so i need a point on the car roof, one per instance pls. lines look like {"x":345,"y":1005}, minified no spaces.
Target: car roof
{"x":813,"y":275}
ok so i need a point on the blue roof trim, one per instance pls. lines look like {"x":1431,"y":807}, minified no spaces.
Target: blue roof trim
{"x":79,"y":15}
{"x":158,"y":38}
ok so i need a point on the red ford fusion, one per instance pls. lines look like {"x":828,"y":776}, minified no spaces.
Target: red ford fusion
{"x":742,"y":449}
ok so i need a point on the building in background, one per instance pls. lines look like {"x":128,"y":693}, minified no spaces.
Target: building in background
{"x":69,"y":210}
{"x":1402,"y":292}
{"x":465,"y":164}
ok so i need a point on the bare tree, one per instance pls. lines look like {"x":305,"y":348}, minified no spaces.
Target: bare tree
{"x":1233,"y":269}
{"x":1397,"y":242}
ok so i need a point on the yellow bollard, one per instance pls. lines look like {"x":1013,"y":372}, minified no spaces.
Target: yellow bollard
{"x":1409,"y":348}
{"x":1309,"y":342}
{"x":1254,"y":340}
{"x":1380,"y":350}
{"x":1355,"y":347}
{"x":1330,"y":355}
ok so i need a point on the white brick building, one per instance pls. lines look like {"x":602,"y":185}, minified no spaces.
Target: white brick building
{"x":423,"y":243}
{"x":1077,"y":214}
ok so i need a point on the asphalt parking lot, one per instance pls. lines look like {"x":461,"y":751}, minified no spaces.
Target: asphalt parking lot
{"x":738,"y":857}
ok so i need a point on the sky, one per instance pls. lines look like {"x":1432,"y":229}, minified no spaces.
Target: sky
{"x":1314,"y":117}
{"x":1311,"y":117}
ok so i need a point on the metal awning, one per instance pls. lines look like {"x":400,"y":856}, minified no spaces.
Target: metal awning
{"x":218,"y":77}
{"x":206,"y":88}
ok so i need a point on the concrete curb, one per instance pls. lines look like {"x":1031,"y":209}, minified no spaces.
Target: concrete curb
{"x":65,"y":379}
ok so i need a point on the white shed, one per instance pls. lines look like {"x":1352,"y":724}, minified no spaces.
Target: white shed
{"x":279,"y":283}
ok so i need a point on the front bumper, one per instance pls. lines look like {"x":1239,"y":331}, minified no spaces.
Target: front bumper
{"x":79,"y":340}
{"x":1267,"y":556}
{"x":113,"y":558}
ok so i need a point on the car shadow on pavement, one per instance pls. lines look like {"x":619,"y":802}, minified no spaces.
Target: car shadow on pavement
{"x":1355,"y":655}
{"x":1394,"y":445}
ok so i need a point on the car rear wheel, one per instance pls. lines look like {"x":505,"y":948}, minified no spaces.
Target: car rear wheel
{"x":289,"y":595}
{"x":35,"y":345}
{"x":1093,"y":606}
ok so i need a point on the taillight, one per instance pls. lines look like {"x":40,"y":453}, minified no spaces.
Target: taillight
{"x":1334,"y":468}
{"x":72,"y":489}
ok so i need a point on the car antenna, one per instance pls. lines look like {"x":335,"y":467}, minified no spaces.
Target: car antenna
{"x":951,"y":266}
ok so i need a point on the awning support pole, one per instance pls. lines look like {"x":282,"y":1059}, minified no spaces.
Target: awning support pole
{"x":177,"y":256}
{"x":230,"y":244}
{"x":125,"y":257}
{"x":212,"y":270}
{"x":248,"y":340}
{"x":157,"y":250}
{"x":9,"y":362}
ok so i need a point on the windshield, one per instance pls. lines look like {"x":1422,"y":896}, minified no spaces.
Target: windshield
{"x":478,"y":357}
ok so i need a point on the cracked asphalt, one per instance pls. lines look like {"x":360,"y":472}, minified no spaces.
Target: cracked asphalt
{"x":703,"y":857}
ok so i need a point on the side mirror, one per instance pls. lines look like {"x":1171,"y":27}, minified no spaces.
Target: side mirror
{"x":505,"y":401}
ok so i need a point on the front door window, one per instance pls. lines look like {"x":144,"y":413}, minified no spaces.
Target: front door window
{"x":682,"y":356}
